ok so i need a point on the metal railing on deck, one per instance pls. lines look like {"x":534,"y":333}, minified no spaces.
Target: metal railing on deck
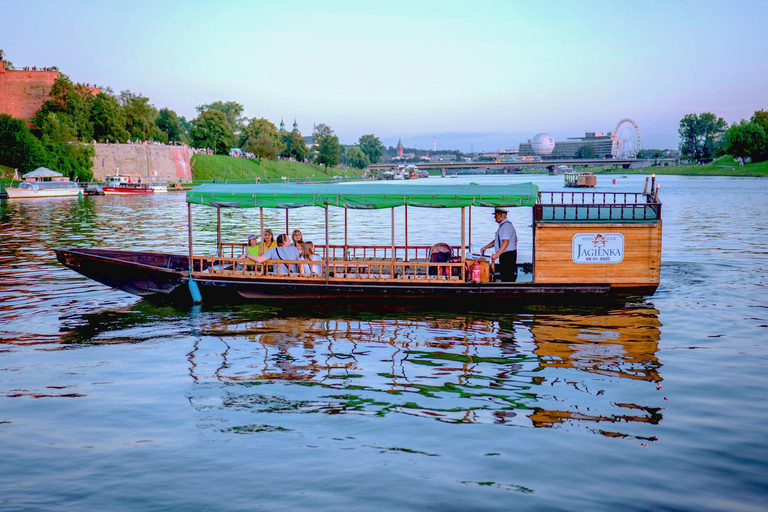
{"x":596,"y":206}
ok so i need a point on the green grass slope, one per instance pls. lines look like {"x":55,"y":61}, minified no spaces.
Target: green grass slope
{"x":224,"y":168}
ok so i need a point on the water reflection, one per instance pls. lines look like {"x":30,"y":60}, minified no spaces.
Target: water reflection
{"x":597,"y":370}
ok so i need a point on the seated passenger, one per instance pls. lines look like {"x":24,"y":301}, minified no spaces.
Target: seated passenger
{"x":267,"y":241}
{"x":298,"y":239}
{"x":283,"y":251}
{"x":308,"y":253}
{"x":252,"y":247}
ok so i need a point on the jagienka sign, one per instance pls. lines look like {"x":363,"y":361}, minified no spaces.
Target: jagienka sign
{"x":598,"y":248}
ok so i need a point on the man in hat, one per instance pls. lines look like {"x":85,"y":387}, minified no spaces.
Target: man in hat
{"x":504,"y":246}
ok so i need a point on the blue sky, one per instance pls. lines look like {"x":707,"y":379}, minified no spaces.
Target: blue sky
{"x":476,"y":74}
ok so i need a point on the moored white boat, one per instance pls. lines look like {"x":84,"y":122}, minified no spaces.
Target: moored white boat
{"x":57,"y":185}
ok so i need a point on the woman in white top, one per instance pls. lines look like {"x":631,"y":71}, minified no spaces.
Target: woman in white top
{"x":308,"y":253}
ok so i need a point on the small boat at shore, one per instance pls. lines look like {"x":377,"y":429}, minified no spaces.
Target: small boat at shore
{"x":44,"y":182}
{"x":586,"y":245}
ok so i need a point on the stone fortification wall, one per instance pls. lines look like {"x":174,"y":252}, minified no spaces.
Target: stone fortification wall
{"x":23,"y":92}
{"x":171,"y":162}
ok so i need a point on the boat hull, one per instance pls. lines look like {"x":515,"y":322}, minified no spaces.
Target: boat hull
{"x":162,"y":275}
{"x":17,"y":193}
{"x":120,"y":191}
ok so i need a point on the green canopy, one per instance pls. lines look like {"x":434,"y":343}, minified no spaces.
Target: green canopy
{"x":363,"y":195}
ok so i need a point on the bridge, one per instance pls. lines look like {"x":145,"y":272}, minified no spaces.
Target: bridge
{"x":625,"y":163}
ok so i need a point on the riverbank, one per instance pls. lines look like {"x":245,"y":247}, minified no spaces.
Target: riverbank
{"x":723,"y":166}
{"x":219,"y":167}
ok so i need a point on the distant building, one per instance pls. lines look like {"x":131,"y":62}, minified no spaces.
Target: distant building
{"x":442,"y":158}
{"x":568,"y":148}
{"x":400,"y":148}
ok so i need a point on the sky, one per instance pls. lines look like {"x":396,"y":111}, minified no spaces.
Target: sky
{"x":480,"y":75}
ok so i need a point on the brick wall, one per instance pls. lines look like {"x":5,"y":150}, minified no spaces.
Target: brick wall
{"x":23,"y":91}
{"x":170,"y":162}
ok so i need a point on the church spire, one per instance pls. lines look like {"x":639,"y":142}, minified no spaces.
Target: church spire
{"x":295,"y":125}
{"x":282,"y":125}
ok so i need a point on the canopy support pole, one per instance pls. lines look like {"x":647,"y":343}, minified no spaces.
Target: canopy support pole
{"x":406,"y":233}
{"x":346,"y":246}
{"x":393,"y":241}
{"x":286,"y":225}
{"x":218,"y":229}
{"x":261,"y":230}
{"x":327,"y":268}
{"x":189,"y":229}
{"x":463,"y":244}
{"x":470,"y":226}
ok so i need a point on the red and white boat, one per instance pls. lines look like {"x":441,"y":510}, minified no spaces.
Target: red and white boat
{"x":126,"y":185}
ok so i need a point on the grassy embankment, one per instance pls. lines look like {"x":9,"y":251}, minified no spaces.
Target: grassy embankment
{"x":723,"y":166}
{"x":225,"y":168}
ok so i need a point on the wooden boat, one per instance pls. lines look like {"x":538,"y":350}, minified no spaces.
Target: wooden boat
{"x":44,"y":182}
{"x":586,"y":244}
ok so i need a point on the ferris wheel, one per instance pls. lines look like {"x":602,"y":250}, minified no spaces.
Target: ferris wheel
{"x":625,"y":141}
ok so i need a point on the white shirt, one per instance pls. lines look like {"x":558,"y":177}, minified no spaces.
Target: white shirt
{"x":506,"y":231}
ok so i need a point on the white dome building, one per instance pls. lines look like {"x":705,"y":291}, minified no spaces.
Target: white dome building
{"x":543,"y":144}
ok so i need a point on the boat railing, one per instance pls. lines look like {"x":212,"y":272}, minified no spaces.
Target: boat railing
{"x":592,"y":198}
{"x":338,"y":270}
{"x":597,"y":212}
{"x":413,"y":253}
{"x":596,"y":206}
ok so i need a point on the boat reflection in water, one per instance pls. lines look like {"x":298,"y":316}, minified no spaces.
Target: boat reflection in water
{"x":595,"y":369}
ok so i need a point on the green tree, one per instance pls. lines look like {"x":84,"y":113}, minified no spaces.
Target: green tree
{"x":746,"y":140}
{"x":263,"y":146}
{"x":108,"y":118}
{"x":586,"y":151}
{"x":258,"y":126}
{"x":328,"y":147}
{"x":699,"y":134}
{"x":294,"y":146}
{"x":73,"y":102}
{"x":372,"y":147}
{"x":357,"y":158}
{"x":19,"y":148}
{"x":140,"y":116}
{"x":231,"y":109}
{"x":760,"y":118}
{"x":211,"y":130}
{"x":170,"y":124}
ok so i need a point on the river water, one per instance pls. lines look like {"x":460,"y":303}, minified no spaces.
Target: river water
{"x":110,"y":402}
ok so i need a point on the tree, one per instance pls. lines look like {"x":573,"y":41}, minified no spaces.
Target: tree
{"x":294,"y":146}
{"x":263,"y":146}
{"x":258,"y":126}
{"x":328,"y":147}
{"x":108,"y":118}
{"x":211,"y":130}
{"x":19,"y":148}
{"x":231,"y":109}
{"x":746,"y":140}
{"x":357,"y":158}
{"x":140,"y":116}
{"x":760,"y":118}
{"x":699,"y":134}
{"x":586,"y":151}
{"x":372,"y":147}
{"x":73,"y":101}
{"x":170,"y":123}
